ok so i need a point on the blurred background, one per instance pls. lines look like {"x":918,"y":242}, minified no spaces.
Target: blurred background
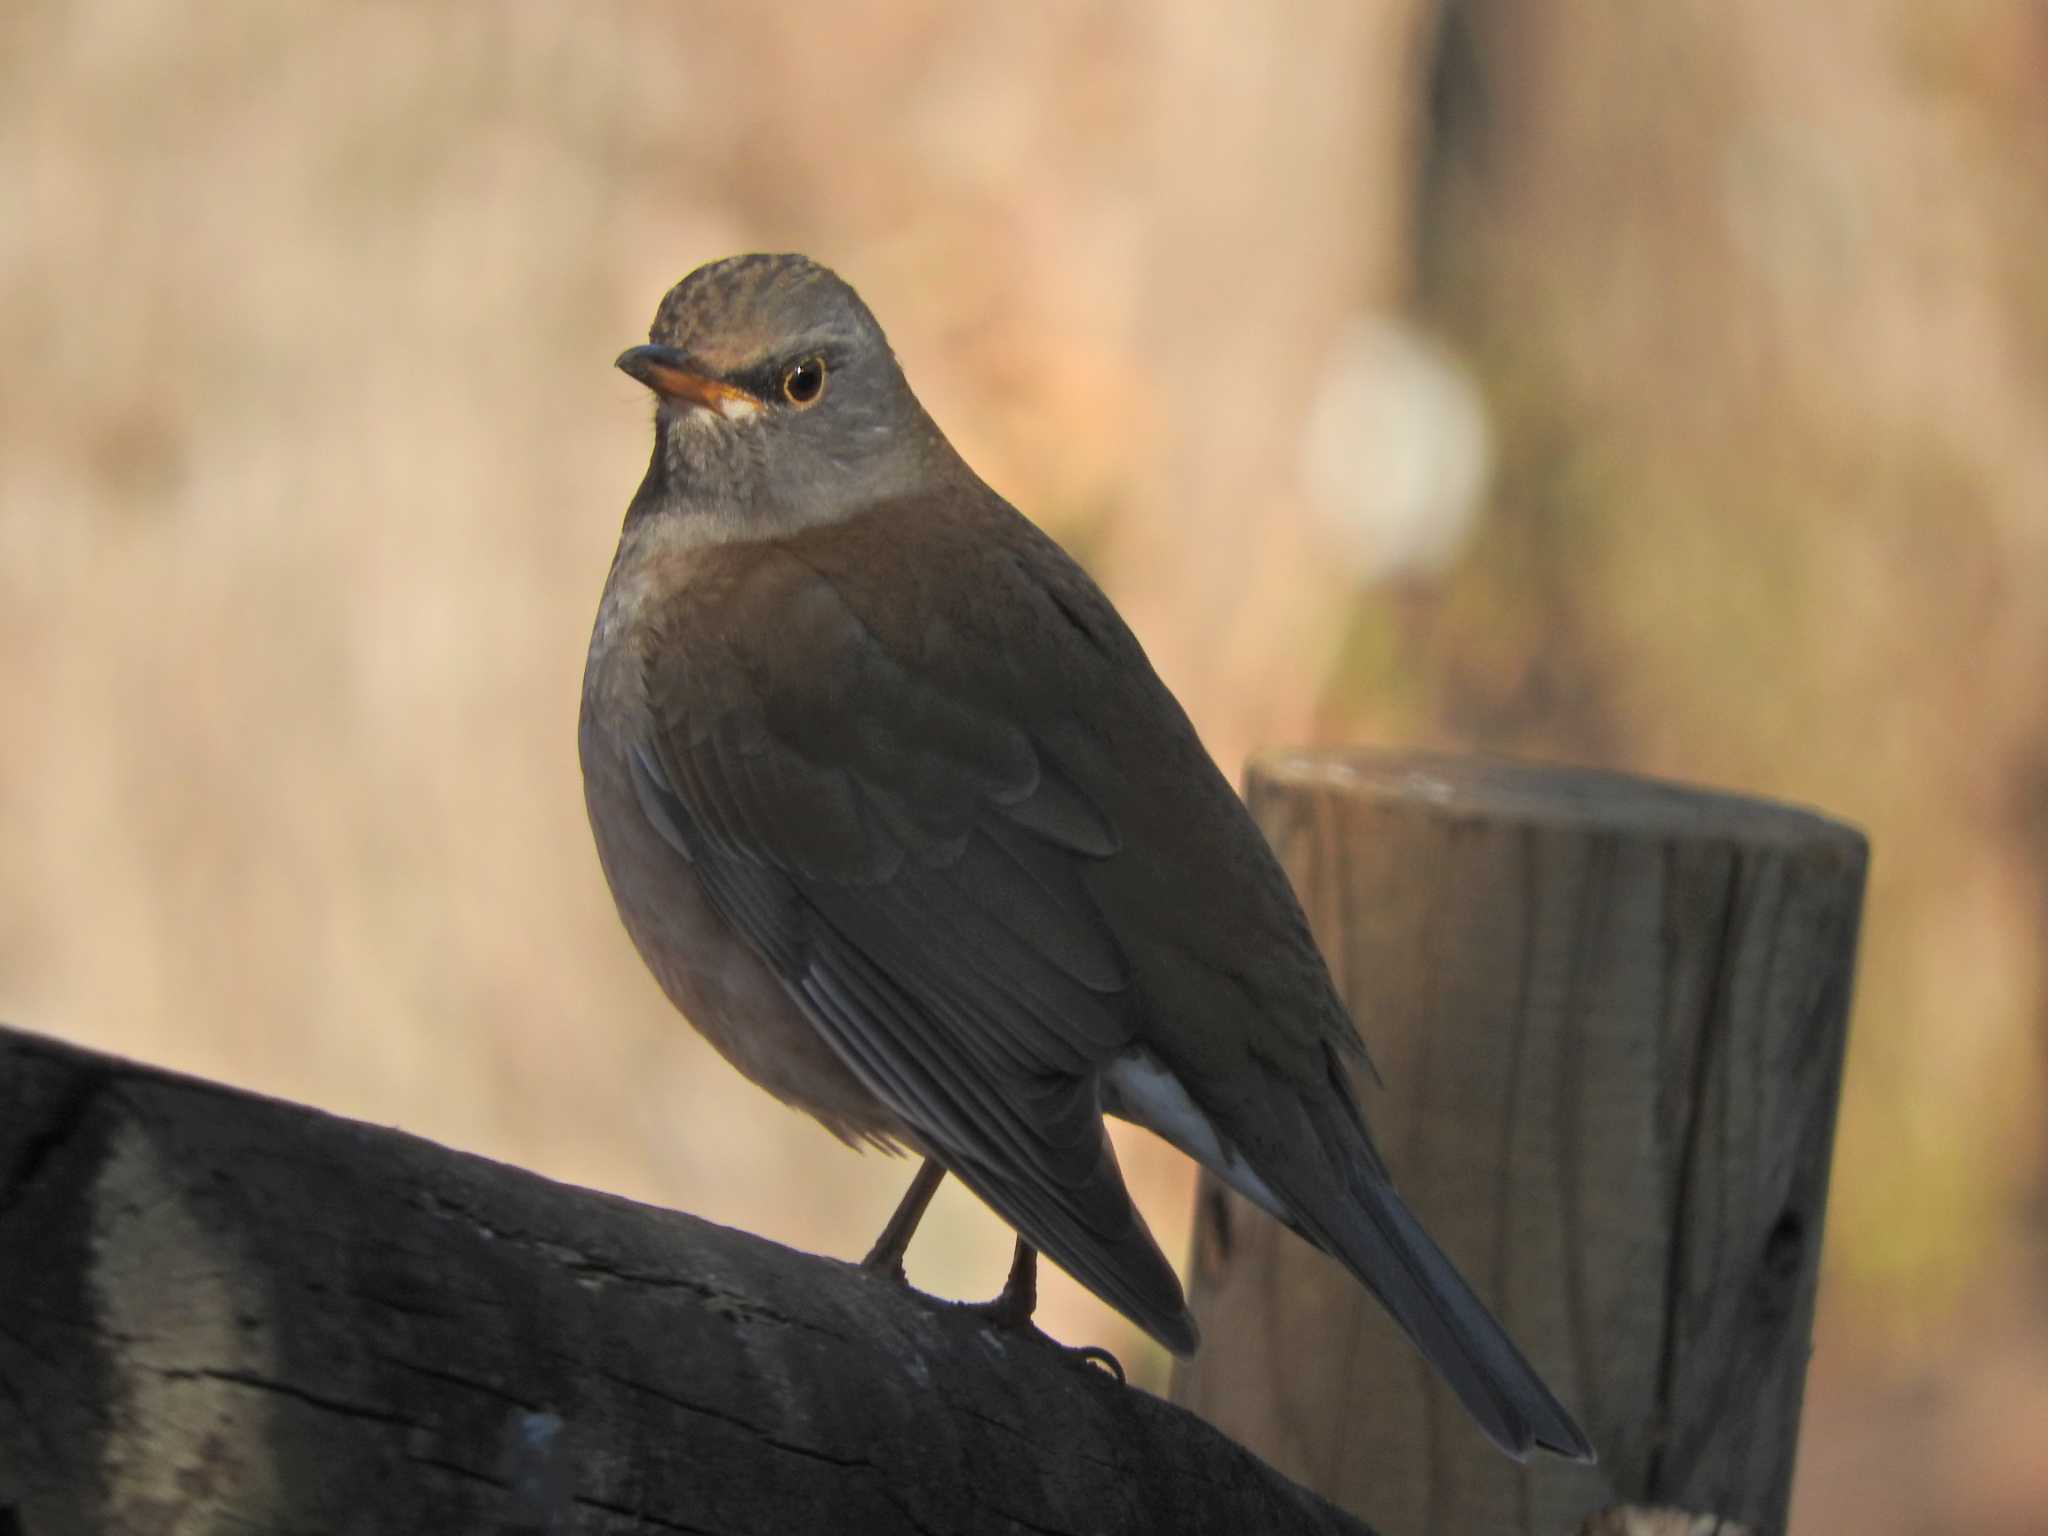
{"x":1660,"y":387}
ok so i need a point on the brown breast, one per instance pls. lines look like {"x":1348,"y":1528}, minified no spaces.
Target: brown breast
{"x":716,"y":980}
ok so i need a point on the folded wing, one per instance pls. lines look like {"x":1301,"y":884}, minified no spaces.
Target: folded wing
{"x":911,"y":867}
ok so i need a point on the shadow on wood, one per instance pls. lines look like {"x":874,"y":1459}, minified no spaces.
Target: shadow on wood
{"x":1611,"y":1016}
{"x":220,"y":1312}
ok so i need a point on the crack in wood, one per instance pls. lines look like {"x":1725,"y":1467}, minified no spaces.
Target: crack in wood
{"x":1700,"y":1079}
{"x":254,"y":1383}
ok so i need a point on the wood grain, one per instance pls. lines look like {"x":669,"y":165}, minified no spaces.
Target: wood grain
{"x":222,"y":1313}
{"x":1610,"y":1017}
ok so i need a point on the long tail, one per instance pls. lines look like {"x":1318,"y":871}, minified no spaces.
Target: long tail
{"x":1318,"y":1172}
{"x":1378,"y":1239}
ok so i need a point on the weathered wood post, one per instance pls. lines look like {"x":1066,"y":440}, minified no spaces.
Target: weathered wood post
{"x":1610,"y":1014}
{"x":223,"y":1313}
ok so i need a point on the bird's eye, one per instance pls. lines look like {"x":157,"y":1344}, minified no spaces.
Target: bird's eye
{"x":804,"y":382}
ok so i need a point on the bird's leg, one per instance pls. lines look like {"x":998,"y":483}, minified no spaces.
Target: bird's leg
{"x":1014,"y":1308}
{"x":1018,"y":1302}
{"x":886,"y":1257}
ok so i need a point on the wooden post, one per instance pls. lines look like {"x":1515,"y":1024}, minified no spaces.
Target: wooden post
{"x":222,"y":1313}
{"x":1610,"y":1016}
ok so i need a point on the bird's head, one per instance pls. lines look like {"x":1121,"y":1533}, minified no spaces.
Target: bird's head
{"x":779,"y":403}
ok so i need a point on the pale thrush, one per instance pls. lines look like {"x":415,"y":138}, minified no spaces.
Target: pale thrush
{"x":904,"y":822}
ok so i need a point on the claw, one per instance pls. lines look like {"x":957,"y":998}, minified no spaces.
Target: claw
{"x":1012,"y":1310}
{"x":1095,"y":1354}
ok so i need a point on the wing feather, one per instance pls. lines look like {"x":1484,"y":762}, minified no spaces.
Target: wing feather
{"x":911,"y":866}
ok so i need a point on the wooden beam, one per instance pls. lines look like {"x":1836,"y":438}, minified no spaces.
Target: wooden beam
{"x":223,"y":1313}
{"x":1610,"y":1015}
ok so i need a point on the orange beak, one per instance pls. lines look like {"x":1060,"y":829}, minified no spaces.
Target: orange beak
{"x":669,"y":374}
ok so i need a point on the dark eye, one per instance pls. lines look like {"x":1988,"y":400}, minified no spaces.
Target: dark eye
{"x":804,"y":382}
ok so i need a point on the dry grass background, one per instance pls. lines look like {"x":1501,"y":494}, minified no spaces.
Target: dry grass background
{"x":311,"y":462}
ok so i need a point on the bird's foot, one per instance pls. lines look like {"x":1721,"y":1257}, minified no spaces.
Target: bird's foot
{"x":1001,"y":1314}
{"x":1013,"y":1312}
{"x":888,"y":1267}
{"x":1007,"y":1313}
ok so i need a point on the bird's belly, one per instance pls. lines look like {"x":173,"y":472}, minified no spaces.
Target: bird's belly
{"x":717,"y":981}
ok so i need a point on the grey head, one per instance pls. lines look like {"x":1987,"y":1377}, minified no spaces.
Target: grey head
{"x":779,"y":403}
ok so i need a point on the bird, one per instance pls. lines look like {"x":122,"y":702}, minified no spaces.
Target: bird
{"x":903,"y":821}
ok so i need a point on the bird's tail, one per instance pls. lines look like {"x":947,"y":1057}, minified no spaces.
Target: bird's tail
{"x":1379,"y":1239}
{"x":1321,"y":1176}
{"x":1364,"y":1225}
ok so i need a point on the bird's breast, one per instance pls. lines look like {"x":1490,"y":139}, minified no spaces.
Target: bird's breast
{"x":712,"y":975}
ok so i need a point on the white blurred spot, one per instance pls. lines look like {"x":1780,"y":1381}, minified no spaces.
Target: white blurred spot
{"x":539,"y":1474}
{"x":1396,"y":449}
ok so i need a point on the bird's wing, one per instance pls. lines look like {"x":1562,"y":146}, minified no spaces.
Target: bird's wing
{"x":911,"y":868}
